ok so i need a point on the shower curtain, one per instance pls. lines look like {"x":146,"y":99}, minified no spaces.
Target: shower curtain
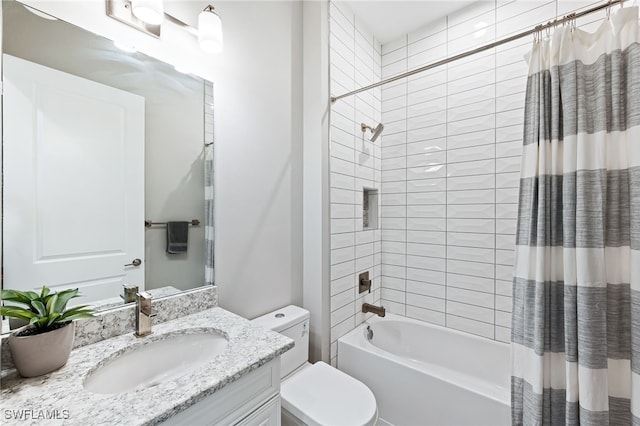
{"x":208,"y":215}
{"x":576,"y":288}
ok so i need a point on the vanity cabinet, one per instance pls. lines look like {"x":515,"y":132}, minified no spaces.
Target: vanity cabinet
{"x":252,"y":400}
{"x":267,"y":415}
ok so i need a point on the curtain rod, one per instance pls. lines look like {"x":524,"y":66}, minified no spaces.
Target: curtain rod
{"x":537,"y":29}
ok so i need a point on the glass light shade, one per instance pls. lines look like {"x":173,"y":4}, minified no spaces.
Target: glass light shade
{"x":210,"y":31}
{"x":149,"y":11}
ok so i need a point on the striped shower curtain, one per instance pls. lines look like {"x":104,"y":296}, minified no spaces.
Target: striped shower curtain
{"x":576,"y":288}
{"x":209,"y":275}
{"x":209,"y":235}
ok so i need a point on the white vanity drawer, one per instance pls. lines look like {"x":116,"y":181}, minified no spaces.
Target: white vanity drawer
{"x":235,"y":401}
{"x":267,"y":415}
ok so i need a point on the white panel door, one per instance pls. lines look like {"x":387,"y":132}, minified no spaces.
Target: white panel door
{"x":73,"y":154}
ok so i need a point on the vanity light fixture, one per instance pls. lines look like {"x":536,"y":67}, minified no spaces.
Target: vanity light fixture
{"x":148,"y":15}
{"x":149,"y":11}
{"x":210,"y":30}
{"x":122,"y":10}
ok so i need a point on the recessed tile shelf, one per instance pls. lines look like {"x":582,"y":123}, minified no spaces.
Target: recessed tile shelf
{"x":369,"y":208}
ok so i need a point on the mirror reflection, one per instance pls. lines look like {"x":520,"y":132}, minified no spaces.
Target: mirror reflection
{"x":96,"y":141}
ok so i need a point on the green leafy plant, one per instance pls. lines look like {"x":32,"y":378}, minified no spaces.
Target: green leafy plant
{"x":45,"y":311}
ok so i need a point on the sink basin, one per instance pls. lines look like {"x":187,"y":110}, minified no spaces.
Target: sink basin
{"x":155,"y":362}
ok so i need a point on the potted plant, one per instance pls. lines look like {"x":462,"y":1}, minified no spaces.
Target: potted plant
{"x":44,"y":344}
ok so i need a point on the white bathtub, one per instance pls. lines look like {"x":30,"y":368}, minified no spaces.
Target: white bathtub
{"x":424,"y":374}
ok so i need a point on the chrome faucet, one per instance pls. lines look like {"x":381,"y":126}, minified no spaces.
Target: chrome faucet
{"x":378,"y":310}
{"x":144,"y":314}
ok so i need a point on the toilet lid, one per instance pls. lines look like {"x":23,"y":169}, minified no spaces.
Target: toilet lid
{"x":323,"y":395}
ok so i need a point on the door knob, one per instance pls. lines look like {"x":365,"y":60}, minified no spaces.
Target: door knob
{"x":134,"y":262}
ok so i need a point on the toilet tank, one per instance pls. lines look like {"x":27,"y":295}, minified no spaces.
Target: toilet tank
{"x":293,"y":322}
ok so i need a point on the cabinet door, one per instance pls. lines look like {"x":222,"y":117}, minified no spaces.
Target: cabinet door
{"x":238,"y":402}
{"x":267,"y":415}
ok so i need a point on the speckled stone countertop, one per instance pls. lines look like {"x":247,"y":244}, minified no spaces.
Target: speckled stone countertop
{"x":61,"y":394}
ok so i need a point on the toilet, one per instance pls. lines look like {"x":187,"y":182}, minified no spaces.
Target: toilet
{"x":315,"y":394}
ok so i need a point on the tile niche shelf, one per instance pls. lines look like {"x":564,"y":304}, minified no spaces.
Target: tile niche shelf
{"x":369,"y":208}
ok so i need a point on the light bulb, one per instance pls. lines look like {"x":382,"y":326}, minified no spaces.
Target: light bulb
{"x":210,"y":31}
{"x":149,"y":11}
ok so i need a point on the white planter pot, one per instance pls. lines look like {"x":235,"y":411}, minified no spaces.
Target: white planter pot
{"x":42,"y":353}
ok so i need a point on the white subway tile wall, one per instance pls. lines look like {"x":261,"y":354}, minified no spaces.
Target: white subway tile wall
{"x":355,"y":163}
{"x":451,"y":162}
{"x":446,"y":166}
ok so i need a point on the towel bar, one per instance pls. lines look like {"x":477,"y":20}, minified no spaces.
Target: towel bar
{"x":150,"y":223}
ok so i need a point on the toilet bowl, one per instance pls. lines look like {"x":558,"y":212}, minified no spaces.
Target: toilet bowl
{"x":316,"y":394}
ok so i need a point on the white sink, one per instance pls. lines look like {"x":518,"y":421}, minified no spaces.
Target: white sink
{"x":156,"y":362}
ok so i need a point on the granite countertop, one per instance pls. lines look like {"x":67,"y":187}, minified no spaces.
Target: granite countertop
{"x":60,"y":394}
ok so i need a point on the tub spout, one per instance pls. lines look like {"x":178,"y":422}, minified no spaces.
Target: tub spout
{"x":378,"y":310}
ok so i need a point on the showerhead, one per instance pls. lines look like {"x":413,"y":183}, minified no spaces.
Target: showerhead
{"x":375,"y":132}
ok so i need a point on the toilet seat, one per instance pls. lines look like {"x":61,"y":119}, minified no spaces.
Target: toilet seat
{"x":321,"y":395}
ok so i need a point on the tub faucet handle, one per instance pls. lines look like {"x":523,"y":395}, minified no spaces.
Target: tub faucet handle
{"x":364,"y":283}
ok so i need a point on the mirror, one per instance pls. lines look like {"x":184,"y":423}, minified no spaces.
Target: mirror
{"x":178,"y":119}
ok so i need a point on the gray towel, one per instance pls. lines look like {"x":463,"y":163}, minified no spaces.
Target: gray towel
{"x":177,"y":237}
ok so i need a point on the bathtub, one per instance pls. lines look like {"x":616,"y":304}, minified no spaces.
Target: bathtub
{"x":424,"y":374}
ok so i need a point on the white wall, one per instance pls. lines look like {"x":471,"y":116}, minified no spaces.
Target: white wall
{"x":316,"y":176}
{"x":258,"y":159}
{"x":354,"y":164}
